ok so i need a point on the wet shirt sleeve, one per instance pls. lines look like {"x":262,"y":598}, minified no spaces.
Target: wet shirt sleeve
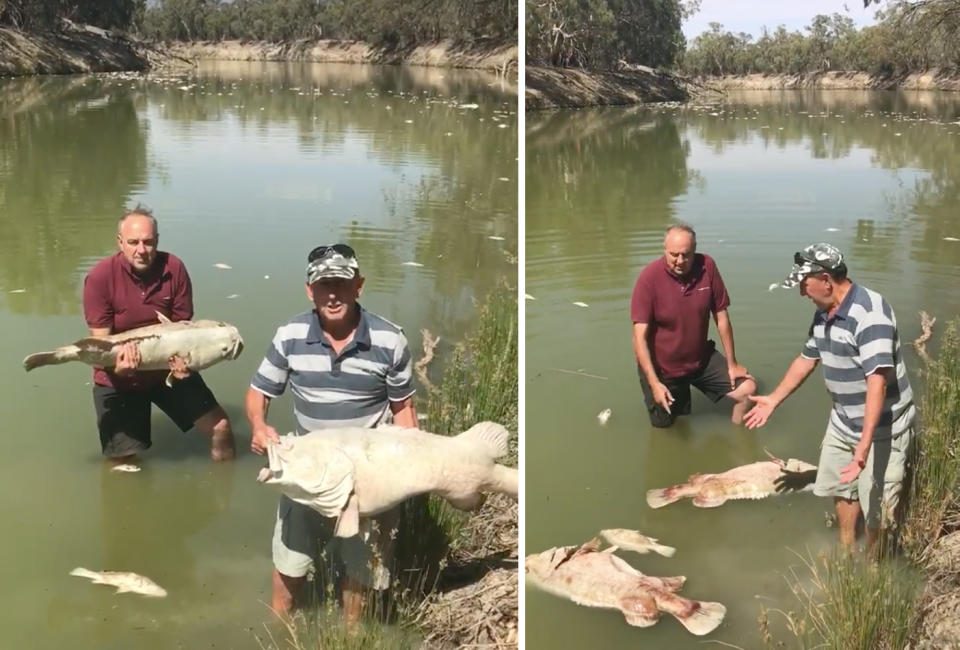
{"x":876,"y":339}
{"x":641,"y":302}
{"x":400,"y":375}
{"x":97,"y":304}
{"x":274,"y":371}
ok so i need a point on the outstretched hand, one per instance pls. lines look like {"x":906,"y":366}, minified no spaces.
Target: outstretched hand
{"x":763,"y":408}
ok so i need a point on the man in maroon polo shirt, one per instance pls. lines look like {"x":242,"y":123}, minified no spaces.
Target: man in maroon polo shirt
{"x":670,"y":308}
{"x":123,"y":292}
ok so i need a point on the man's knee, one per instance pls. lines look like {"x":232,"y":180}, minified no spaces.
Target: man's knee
{"x":214,"y":422}
{"x":745,"y":387}
{"x":660,"y":418}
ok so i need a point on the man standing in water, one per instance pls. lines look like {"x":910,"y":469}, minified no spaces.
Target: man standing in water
{"x":126,"y":291}
{"x":347,"y":367}
{"x":670,"y":308}
{"x":854,"y":334}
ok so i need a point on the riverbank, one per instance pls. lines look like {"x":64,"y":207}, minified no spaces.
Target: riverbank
{"x":549,"y":87}
{"x":837,"y":80}
{"x":501,"y":57}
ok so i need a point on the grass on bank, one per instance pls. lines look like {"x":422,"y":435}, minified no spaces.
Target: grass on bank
{"x":479,"y":382}
{"x":850,"y":602}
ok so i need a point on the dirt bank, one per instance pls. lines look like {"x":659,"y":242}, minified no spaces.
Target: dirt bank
{"x":81,"y":49}
{"x":576,"y":88}
{"x":941,"y":601}
{"x":929,"y":80}
{"x":493,"y":56}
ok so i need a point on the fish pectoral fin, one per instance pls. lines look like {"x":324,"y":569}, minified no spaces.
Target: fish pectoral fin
{"x":169,"y":380}
{"x":123,"y":589}
{"x":348,"y":523}
{"x":640,"y":611}
{"x":162,"y":318}
{"x":708,"y":502}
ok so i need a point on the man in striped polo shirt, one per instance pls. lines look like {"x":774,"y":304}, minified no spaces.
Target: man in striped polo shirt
{"x":346,"y":367}
{"x":854,"y":335}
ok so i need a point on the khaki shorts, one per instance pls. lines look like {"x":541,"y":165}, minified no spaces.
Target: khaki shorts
{"x":878,"y":486}
{"x":303,"y":537}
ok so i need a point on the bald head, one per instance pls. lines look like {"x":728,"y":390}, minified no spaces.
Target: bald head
{"x":679,"y":248}
{"x":137,"y":238}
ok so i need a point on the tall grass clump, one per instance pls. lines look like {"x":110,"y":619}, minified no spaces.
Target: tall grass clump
{"x":850,"y":602}
{"x":934,"y":502}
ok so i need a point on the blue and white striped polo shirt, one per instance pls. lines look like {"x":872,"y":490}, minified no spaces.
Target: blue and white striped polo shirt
{"x":352,"y":389}
{"x":860,"y":338}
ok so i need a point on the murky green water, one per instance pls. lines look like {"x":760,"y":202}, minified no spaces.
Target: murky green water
{"x":758,"y":177}
{"x":249,"y":165}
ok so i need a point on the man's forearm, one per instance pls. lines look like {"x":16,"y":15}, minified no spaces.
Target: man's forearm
{"x":796,"y":374}
{"x":641,"y":351}
{"x":257,"y":405}
{"x":725,"y":330}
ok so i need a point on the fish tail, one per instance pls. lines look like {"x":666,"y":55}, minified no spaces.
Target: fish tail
{"x":60,"y":355}
{"x":663,"y":549}
{"x":80,"y":572}
{"x":704,"y":617}
{"x":666,"y":496}
{"x":492,"y":437}
{"x":505,"y":480}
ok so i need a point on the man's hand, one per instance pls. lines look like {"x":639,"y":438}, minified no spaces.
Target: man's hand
{"x":794,"y":481}
{"x":128,"y":359}
{"x":262,"y":436}
{"x":178,"y":367}
{"x":763,"y":408}
{"x":852,"y":471}
{"x":662,"y":396}
{"x":735,"y":370}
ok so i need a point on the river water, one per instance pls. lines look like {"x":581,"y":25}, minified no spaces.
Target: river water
{"x":759,"y":176}
{"x":248,"y":165}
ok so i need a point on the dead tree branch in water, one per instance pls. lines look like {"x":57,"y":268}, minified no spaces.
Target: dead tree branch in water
{"x":420,"y":367}
{"x":926,"y":326}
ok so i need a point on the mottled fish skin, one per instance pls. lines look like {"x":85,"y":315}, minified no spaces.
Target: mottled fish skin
{"x":593,"y":578}
{"x":753,"y":481}
{"x":124,"y":581}
{"x":200,"y":343}
{"x":633,"y":540}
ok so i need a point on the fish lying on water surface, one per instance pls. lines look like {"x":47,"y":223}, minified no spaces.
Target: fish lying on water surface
{"x":753,"y":481}
{"x":200,"y":343}
{"x":632,"y":540}
{"x":353,"y":472}
{"x":124,"y":581}
{"x":595,"y":578}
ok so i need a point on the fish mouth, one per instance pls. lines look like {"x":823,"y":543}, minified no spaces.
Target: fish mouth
{"x":237,"y":349}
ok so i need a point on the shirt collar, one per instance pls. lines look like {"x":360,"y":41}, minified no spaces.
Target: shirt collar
{"x":361,"y":335}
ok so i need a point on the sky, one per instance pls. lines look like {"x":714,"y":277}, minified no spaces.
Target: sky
{"x":752,"y":15}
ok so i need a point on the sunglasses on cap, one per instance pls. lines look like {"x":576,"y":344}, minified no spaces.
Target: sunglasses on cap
{"x":322,"y":251}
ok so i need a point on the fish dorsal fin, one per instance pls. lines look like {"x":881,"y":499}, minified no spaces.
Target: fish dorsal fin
{"x":492,"y":437}
{"x":162,"y":318}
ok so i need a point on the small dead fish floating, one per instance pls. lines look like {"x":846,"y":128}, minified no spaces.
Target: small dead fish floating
{"x":633,"y":540}
{"x":581,"y":304}
{"x":125,"y":467}
{"x":415,"y":264}
{"x":124,"y":581}
{"x":221,"y":265}
{"x":604,"y":415}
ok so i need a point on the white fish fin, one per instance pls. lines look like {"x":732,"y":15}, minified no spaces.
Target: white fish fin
{"x":348,"y":523}
{"x":60,"y":355}
{"x":169,"y":380}
{"x":123,"y":589}
{"x":711,"y":502}
{"x":663,"y":549}
{"x":705,"y":618}
{"x":493,"y":437}
{"x":162,"y":318}
{"x":640,"y":611}
{"x":666,"y":496}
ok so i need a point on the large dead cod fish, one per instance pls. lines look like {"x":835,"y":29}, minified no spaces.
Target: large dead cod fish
{"x":200,"y":343}
{"x":753,"y":481}
{"x":124,"y":581}
{"x":596,"y":578}
{"x":350,"y":473}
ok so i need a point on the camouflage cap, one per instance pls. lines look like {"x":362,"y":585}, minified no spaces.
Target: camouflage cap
{"x":337,"y":261}
{"x":815,"y":258}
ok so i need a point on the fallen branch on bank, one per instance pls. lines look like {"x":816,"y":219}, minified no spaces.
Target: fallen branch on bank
{"x":926,"y":327}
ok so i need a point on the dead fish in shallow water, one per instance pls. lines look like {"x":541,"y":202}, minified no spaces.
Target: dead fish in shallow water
{"x":200,"y":343}
{"x":124,"y":581}
{"x":753,"y":481}
{"x":125,"y":467}
{"x":414,"y":264}
{"x":221,"y":265}
{"x":633,"y":540}
{"x":351,"y":472}
{"x":604,"y":415}
{"x":601,"y":579}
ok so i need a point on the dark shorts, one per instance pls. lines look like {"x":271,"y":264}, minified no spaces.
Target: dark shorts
{"x":712,"y":380}
{"x":123,"y":417}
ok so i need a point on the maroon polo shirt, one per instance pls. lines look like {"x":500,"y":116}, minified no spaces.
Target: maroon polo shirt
{"x":115,"y":296}
{"x":678,"y":313}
